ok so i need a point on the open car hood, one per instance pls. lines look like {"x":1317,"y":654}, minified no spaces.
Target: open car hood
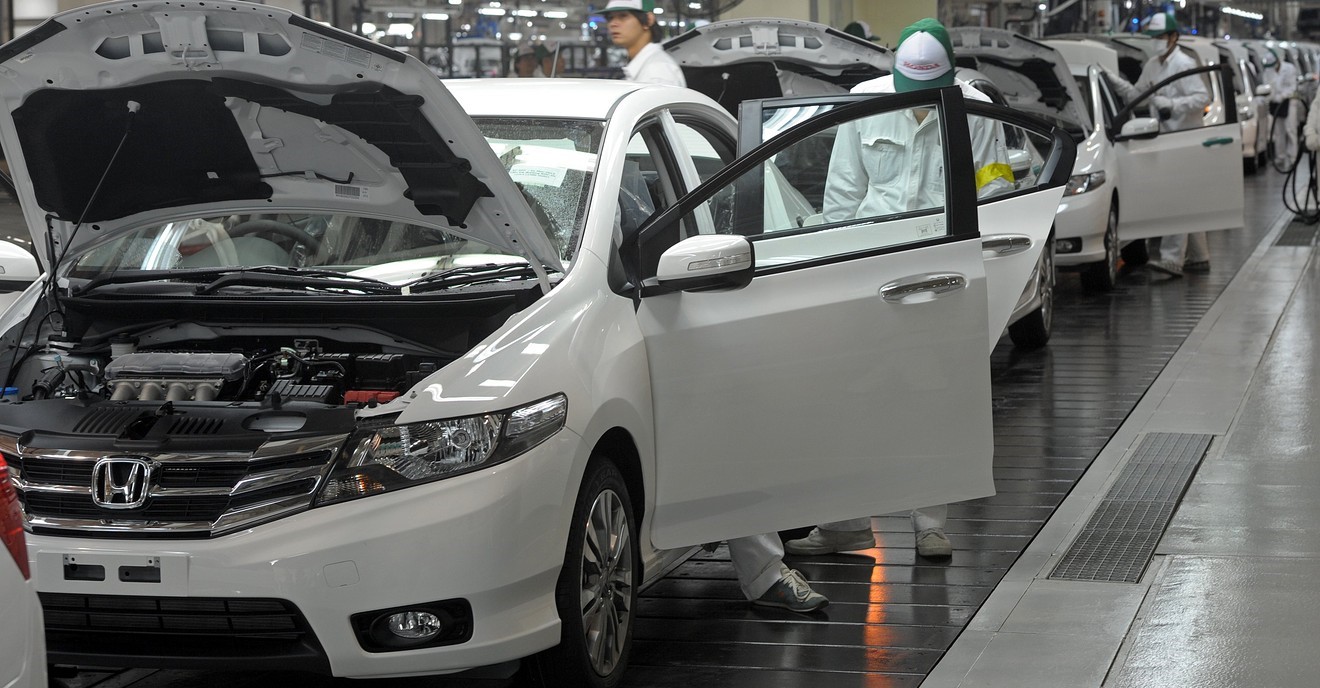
{"x":741,"y":59}
{"x":1032,"y":76}
{"x":212,"y":108}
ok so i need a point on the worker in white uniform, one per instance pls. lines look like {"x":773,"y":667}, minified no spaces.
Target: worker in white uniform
{"x":903,"y":152}
{"x":1179,"y":105}
{"x":1281,"y":75}
{"x":632,"y":26}
{"x":758,"y":560}
{"x":1312,"y":128}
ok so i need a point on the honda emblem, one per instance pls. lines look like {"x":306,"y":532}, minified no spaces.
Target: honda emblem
{"x":120,"y":482}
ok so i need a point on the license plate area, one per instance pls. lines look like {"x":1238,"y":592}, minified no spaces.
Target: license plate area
{"x":112,"y":573}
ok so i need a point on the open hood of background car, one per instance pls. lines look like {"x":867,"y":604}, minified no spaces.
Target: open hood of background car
{"x":741,"y":59}
{"x":215,"y":107}
{"x":1033,"y":76}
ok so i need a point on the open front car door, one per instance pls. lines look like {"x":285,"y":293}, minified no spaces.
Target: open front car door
{"x":1185,"y":180}
{"x":817,"y":340}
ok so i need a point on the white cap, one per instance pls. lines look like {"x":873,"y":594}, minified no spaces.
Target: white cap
{"x":630,"y":6}
{"x":921,"y":57}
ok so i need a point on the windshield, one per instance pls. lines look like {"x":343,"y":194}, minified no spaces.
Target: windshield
{"x":553,"y":162}
{"x":389,"y":251}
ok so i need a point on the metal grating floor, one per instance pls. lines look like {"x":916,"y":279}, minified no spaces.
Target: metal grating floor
{"x":1297,"y":233}
{"x":1119,"y":538}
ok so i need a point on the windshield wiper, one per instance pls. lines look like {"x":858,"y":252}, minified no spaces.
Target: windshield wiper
{"x":295,"y":278}
{"x":468,"y":274}
{"x":238,"y":275}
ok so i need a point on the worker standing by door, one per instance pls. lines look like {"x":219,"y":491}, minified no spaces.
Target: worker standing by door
{"x":879,"y":167}
{"x":1179,"y":105}
{"x":757,"y":559}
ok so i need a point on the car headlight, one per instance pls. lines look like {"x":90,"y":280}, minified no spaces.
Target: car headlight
{"x":382,"y":456}
{"x":1081,"y":183}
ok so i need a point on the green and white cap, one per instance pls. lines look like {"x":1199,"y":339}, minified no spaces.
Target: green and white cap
{"x":1160,"y":24}
{"x":630,"y":6}
{"x":924,"y":57}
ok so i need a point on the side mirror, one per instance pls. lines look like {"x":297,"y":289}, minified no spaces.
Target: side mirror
{"x":18,"y":268}
{"x":1264,"y":90}
{"x":706,"y":262}
{"x":1140,"y":128}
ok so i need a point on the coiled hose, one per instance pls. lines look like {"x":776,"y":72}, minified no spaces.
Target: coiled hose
{"x":1307,"y":206}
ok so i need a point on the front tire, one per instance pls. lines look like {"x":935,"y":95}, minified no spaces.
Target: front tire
{"x":1103,"y":275}
{"x":596,"y":594}
{"x":1033,"y":330}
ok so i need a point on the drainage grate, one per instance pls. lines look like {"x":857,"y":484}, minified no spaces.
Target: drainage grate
{"x":1118,"y":540}
{"x":1297,"y":233}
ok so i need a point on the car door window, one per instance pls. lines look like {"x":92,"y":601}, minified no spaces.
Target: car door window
{"x":647,"y":184}
{"x":1203,"y":83}
{"x":709,"y":149}
{"x":861,"y":169}
{"x":827,"y":193}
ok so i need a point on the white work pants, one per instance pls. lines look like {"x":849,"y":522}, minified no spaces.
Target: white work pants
{"x":758,"y":560}
{"x":922,"y":519}
{"x":1285,"y":134}
{"x":1179,"y":249}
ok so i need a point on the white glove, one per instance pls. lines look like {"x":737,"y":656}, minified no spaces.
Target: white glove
{"x":1312,"y":141}
{"x":1161,"y":102}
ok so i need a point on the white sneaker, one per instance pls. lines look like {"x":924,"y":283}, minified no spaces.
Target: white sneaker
{"x":932,"y":542}
{"x":829,"y":541}
{"x":1166,"y":267}
{"x":792,"y":592}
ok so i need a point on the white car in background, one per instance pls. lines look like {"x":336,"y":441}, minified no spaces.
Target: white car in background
{"x":739,"y":59}
{"x":1252,"y":100}
{"x":1130,"y":181}
{"x":347,"y":369}
{"x":23,"y":643}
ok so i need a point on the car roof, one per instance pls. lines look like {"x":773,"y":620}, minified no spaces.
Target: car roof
{"x":559,"y":97}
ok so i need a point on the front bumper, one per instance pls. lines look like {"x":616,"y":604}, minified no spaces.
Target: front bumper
{"x":1083,"y":218}
{"x":494,"y":538}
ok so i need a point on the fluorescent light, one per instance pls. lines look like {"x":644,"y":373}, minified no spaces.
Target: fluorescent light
{"x":435,"y":16}
{"x":492,"y":11}
{"x":525,"y":13}
{"x":658,"y":10}
{"x":1242,"y":13}
{"x":554,"y":14}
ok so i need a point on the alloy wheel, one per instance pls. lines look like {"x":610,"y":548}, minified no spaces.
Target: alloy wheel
{"x":607,"y":581}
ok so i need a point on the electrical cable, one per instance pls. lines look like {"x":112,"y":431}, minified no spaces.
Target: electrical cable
{"x":1306,"y":208}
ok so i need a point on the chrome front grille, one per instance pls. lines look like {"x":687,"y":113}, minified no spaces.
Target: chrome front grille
{"x":187,"y":495}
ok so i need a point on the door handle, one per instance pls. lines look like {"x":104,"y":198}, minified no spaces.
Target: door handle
{"x":1221,"y":141}
{"x":1005,"y":244}
{"x":932,"y":285}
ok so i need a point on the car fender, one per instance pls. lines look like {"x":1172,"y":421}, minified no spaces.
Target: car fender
{"x":580,"y":340}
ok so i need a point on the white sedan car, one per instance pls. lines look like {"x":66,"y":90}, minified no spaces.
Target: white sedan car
{"x":1130,"y":180}
{"x":23,"y":643}
{"x":346,"y":369}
